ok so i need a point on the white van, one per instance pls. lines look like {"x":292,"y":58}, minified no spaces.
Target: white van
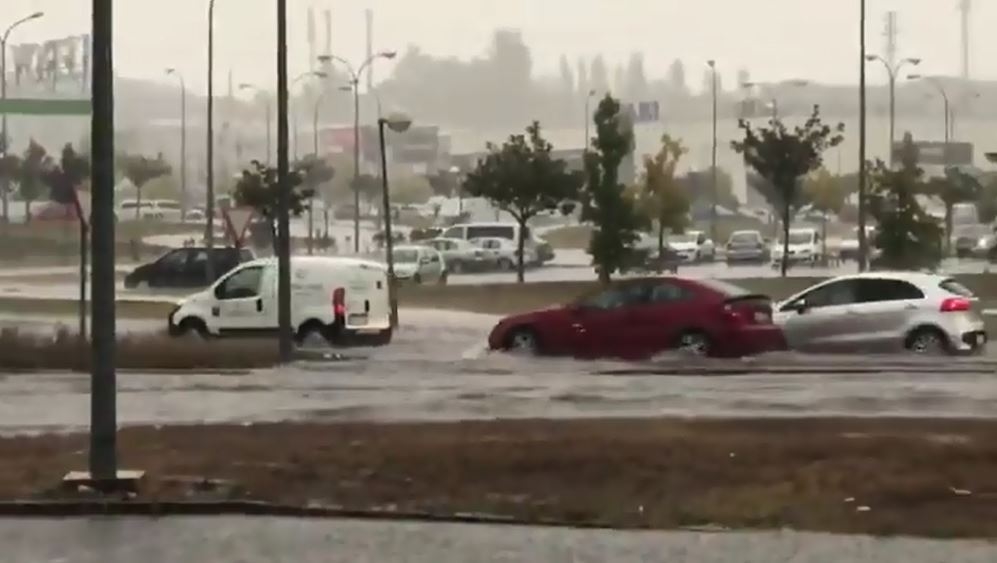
{"x":510,"y":231}
{"x":344,"y":300}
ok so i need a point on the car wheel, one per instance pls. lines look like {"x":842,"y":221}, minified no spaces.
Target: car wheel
{"x":523,"y":340}
{"x":927,"y":341}
{"x":313,"y":333}
{"x":504,"y":264}
{"x":192,"y":327}
{"x":695,"y":343}
{"x":417,"y":279}
{"x":443,"y":278}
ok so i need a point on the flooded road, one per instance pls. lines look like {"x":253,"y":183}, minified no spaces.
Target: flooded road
{"x":247,"y":539}
{"x":438,"y":369}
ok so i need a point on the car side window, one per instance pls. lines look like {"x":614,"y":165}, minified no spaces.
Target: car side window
{"x":434,"y":257}
{"x":617,"y":297}
{"x":453,"y":232}
{"x":175,"y":260}
{"x":199,"y":260}
{"x":877,"y":291}
{"x":701,"y":239}
{"x":842,"y":292}
{"x":666,"y":293}
{"x":243,"y":284}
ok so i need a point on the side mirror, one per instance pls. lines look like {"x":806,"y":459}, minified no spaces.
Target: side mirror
{"x":801,"y":306}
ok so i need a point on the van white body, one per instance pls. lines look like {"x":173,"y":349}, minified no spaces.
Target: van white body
{"x":804,"y":246}
{"x":509,"y":231}
{"x":345,"y":300}
{"x":150,"y":209}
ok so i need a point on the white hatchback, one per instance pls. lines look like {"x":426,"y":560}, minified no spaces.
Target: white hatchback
{"x":884,"y":311}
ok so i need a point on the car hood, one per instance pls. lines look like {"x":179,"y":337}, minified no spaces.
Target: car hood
{"x":794,"y":247}
{"x":406,"y":269}
{"x":683,"y":246}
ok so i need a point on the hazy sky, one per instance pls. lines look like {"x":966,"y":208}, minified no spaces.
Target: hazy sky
{"x":774,"y":39}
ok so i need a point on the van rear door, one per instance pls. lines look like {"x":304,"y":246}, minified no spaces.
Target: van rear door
{"x":367,"y":304}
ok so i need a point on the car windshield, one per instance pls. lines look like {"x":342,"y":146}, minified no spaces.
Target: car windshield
{"x":742,"y":238}
{"x":799,"y":237}
{"x":683,"y":238}
{"x":405,"y":255}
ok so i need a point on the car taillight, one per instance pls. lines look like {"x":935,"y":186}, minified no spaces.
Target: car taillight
{"x":956,"y":305}
{"x":746,"y":315}
{"x":339,"y":301}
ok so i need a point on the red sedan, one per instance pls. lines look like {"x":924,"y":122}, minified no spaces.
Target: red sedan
{"x":639,"y":318}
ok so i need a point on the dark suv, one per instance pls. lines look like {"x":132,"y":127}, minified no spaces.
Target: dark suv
{"x":187,"y":267}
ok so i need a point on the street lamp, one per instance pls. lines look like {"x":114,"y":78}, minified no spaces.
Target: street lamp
{"x":299,"y":78}
{"x":4,"y":141}
{"x":268,"y":105}
{"x":311,"y":201}
{"x":863,"y":239}
{"x":588,"y":119}
{"x":941,"y":90}
{"x":893,"y":71}
{"x":713,"y":159}
{"x":798,"y":83}
{"x":209,"y":204}
{"x":183,"y":142}
{"x":355,"y":82}
{"x":398,"y":123}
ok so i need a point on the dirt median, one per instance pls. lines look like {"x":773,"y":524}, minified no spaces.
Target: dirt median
{"x":883,"y":477}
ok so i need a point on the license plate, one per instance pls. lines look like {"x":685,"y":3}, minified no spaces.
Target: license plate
{"x":357,"y":320}
{"x":762,"y":318}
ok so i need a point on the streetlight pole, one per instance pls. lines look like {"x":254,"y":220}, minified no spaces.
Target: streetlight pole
{"x":713,"y":158}
{"x":268,"y":107}
{"x":283,"y":192}
{"x":355,"y":82}
{"x":863,"y":242}
{"x":311,"y":200}
{"x":941,"y":90}
{"x":300,"y":77}
{"x":399,"y":124}
{"x":892,"y":72}
{"x":588,"y":119}
{"x":4,"y":140}
{"x":103,"y":462}
{"x":209,"y":204}
{"x":183,"y":143}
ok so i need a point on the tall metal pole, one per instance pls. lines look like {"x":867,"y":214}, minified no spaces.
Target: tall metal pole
{"x":356,"y":164}
{"x":311,"y":200}
{"x":103,"y":404}
{"x":863,"y":243}
{"x":389,"y":242}
{"x":893,"y":111}
{"x":183,"y":143}
{"x":269,"y":128}
{"x":209,"y":204}
{"x":283,"y":192}
{"x":4,"y":139}
{"x":713,"y":160}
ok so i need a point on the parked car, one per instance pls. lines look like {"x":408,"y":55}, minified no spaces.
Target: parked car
{"x":153,"y":209}
{"x":804,"y":248}
{"x":848,"y":249}
{"x":343,"y":300}
{"x":186,"y":267}
{"x":505,"y":252}
{"x":693,"y":246}
{"x":419,"y":264}
{"x":746,"y":246}
{"x":966,"y":238}
{"x":883,"y":311}
{"x":509,"y":231}
{"x":462,"y":256}
{"x":639,"y":318}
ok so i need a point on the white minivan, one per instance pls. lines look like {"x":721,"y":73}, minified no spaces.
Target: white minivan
{"x":343,"y":300}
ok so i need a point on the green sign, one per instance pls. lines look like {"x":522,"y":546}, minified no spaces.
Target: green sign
{"x":28,"y":106}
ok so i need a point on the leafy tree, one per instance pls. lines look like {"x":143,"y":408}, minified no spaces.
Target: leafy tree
{"x":257,"y":188}
{"x":31,"y":181}
{"x":783,"y":158}
{"x":599,"y":75}
{"x":64,"y":178}
{"x":10,"y":170}
{"x":907,"y":236}
{"x":663,"y":198}
{"x":522,"y":178}
{"x":615,"y":220}
{"x":986,"y":203}
{"x":140,"y":169}
{"x":956,"y":187}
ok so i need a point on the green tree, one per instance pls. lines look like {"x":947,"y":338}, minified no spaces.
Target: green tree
{"x":10,"y":169}
{"x":783,"y":157}
{"x":663,"y":198}
{"x":140,"y":169}
{"x":615,"y":220}
{"x":986,"y":203}
{"x":522,"y":178}
{"x":955,"y":187}
{"x":65,"y":177}
{"x":907,"y":236}
{"x":257,"y":188}
{"x":31,"y":180}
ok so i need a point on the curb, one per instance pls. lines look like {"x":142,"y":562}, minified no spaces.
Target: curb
{"x":64,"y":509}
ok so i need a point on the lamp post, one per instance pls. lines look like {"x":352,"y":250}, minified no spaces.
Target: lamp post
{"x":285,"y":337}
{"x":948,"y":112}
{"x":183,"y":142}
{"x":311,"y":200}
{"x":713,"y":157}
{"x":209,"y":204}
{"x":399,"y":124}
{"x":863,"y":239}
{"x":892,"y":71}
{"x":4,"y":141}
{"x":268,"y":105}
{"x":355,"y":82}
{"x":588,"y":118}
{"x":299,"y":78}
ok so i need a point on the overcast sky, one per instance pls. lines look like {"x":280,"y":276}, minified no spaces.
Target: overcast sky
{"x":774,"y":39}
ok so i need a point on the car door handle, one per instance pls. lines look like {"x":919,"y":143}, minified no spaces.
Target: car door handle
{"x":259,"y":305}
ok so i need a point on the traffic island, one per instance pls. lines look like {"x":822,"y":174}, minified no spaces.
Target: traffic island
{"x":871,"y":476}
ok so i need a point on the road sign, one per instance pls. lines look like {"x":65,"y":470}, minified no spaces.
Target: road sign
{"x":29,"y":106}
{"x":237,"y":221}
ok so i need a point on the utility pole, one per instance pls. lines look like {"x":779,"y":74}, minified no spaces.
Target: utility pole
{"x":283,"y":192}
{"x":183,"y":143}
{"x":209,"y":204}
{"x":103,"y":402}
{"x":863,"y":243}
{"x":713,"y":159}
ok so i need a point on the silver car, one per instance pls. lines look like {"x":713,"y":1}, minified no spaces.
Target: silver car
{"x":882,"y":311}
